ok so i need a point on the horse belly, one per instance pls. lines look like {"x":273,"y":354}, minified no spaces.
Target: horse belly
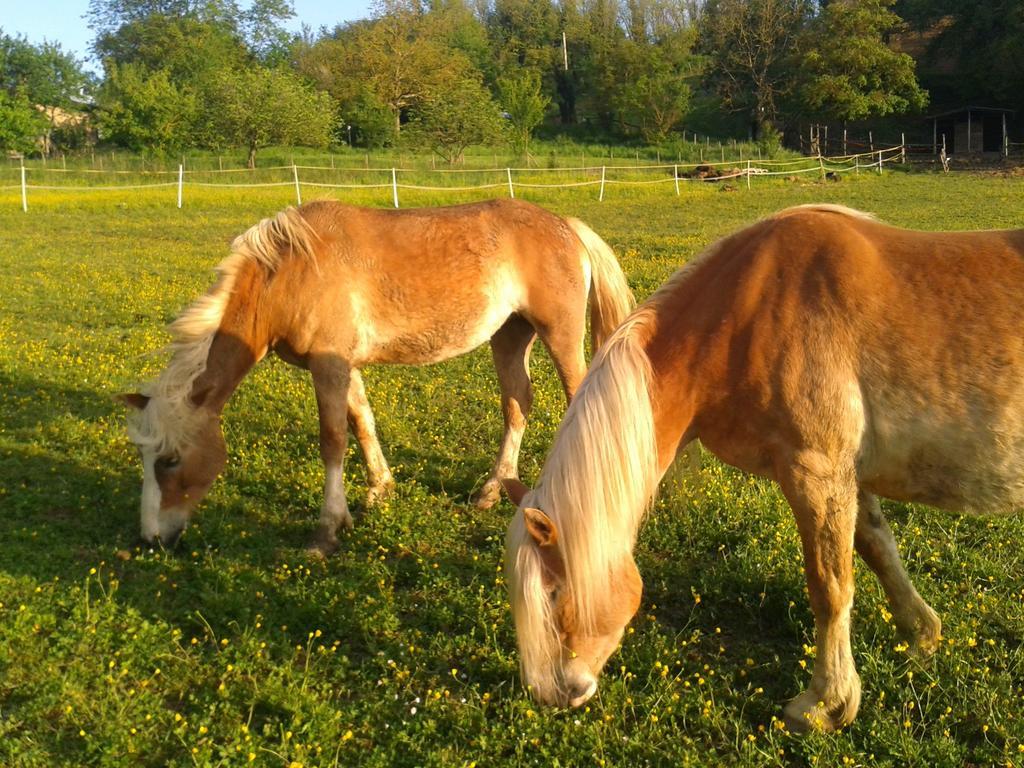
{"x":429,"y":333}
{"x":974,"y":464}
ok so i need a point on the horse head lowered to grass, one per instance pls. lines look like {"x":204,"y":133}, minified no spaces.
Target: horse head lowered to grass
{"x":332,"y":288}
{"x":840,"y":357}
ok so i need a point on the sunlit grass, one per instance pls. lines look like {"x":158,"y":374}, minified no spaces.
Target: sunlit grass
{"x":237,"y":648}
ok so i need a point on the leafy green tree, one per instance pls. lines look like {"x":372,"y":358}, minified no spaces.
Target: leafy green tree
{"x":652,"y":96}
{"x":256,"y":107}
{"x":524,"y":33}
{"x":400,"y":58}
{"x":262,"y":30}
{"x":258,"y":28}
{"x":370,"y":118}
{"x":464,"y":116}
{"x":525,"y":107}
{"x":752,"y":53}
{"x":21,"y":124}
{"x":849,"y":73}
{"x":48,"y":77}
{"x":983,"y":41}
{"x":189,"y":49}
{"x":145,"y":111}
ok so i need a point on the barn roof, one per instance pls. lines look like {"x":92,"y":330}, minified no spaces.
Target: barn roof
{"x":965,"y":110}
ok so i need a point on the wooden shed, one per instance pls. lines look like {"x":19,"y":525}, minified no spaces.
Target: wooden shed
{"x":971,"y":130}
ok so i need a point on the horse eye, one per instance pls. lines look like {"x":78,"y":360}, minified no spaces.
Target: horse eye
{"x":168,"y":462}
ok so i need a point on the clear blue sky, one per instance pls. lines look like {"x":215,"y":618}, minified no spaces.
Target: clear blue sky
{"x":63,"y":21}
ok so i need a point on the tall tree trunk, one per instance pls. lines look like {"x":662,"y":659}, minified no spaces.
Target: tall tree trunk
{"x":252,"y":156}
{"x":566,"y":89}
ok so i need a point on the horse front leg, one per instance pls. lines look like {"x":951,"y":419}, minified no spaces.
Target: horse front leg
{"x":360,"y":418}
{"x":823,"y":495}
{"x":331,"y":377}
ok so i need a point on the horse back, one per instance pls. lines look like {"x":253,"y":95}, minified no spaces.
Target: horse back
{"x":422,"y":285}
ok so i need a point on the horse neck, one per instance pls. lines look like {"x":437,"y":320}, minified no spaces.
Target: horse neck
{"x":603,"y":470}
{"x":239,"y":343}
{"x":228,"y":362}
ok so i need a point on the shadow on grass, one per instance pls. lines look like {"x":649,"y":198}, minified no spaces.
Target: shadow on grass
{"x":64,"y":515}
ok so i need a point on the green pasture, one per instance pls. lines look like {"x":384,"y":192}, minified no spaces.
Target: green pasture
{"x":237,"y":648}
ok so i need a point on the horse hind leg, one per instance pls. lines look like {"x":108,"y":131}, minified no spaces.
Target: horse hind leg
{"x":564,"y":341}
{"x":360,"y":419}
{"x":510,"y":348}
{"x":331,"y":376}
{"x":874,"y":541}
{"x":823,"y":495}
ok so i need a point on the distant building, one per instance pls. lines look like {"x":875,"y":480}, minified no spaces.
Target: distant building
{"x":971,"y":130}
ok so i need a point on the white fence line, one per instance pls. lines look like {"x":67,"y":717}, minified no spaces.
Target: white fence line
{"x":754,"y":169}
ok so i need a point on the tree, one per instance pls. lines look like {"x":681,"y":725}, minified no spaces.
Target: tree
{"x":145,"y":111}
{"x":21,"y":123}
{"x":656,"y":101}
{"x":752,"y":53}
{"x":982,"y":40}
{"x":848,"y":71}
{"x":400,"y":58}
{"x":525,"y":107}
{"x":464,"y":116}
{"x":263,"y":33}
{"x":189,"y":49}
{"x":51,"y":79}
{"x":187,"y":36}
{"x":370,"y":117}
{"x":256,"y":107}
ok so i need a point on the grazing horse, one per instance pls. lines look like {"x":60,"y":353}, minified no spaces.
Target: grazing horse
{"x":840,"y":357}
{"x":332,"y":288}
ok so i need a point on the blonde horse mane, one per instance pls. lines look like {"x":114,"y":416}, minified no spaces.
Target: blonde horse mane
{"x":166,"y":423}
{"x":826,"y":208}
{"x":596,"y":486}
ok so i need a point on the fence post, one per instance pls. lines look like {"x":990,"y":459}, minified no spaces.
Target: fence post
{"x":394,"y":185}
{"x":24,"y":190}
{"x":821,"y":164}
{"x":879,"y":162}
{"x":181,"y":174}
{"x":675,"y":174}
{"x":748,"y":174}
{"x":600,"y":197}
{"x":298,"y":192}
{"x":903,"y":149}
{"x":511,"y":191}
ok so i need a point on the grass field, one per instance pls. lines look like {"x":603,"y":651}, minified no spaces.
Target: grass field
{"x":238,"y":648}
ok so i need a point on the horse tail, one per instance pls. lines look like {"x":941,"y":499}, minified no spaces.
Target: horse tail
{"x":610,"y":297}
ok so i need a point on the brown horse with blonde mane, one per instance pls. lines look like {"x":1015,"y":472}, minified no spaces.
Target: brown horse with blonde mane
{"x":842,"y":358}
{"x":332,"y":288}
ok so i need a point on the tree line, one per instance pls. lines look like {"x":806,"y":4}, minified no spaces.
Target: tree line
{"x":448,"y":74}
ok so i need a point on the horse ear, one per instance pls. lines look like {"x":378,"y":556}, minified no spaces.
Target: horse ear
{"x":515,"y":489}
{"x":134,"y":400}
{"x":541,"y":527}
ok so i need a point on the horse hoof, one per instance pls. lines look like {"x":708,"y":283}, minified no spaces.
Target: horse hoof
{"x":924,"y":635}
{"x":485,"y":501}
{"x":809,"y":712}
{"x":324,"y":543}
{"x":378,"y":493}
{"x":487,"y":496}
